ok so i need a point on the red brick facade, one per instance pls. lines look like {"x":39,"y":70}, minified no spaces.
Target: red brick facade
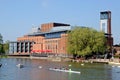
{"x":52,"y":45}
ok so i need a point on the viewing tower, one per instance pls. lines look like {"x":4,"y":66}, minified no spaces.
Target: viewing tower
{"x":105,"y":26}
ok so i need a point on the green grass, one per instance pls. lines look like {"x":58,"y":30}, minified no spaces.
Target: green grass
{"x":3,"y":56}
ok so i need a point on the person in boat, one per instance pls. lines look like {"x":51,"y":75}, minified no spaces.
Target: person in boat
{"x":69,"y":69}
{"x":55,"y":68}
{"x":0,"y":64}
{"x":66,"y":69}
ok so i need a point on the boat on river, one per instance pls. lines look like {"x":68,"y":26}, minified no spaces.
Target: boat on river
{"x":20,"y":65}
{"x":64,"y":70}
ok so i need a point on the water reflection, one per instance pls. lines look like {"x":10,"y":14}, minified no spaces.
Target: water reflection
{"x":115,"y":72}
{"x":31,"y":70}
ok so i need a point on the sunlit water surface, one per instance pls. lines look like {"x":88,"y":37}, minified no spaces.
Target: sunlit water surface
{"x":32,"y":70}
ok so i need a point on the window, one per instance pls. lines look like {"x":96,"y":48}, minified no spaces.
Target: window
{"x":103,"y":27}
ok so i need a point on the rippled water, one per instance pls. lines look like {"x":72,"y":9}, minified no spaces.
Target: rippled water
{"x":31,"y":70}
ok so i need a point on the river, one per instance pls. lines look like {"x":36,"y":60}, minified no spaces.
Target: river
{"x":31,"y":70}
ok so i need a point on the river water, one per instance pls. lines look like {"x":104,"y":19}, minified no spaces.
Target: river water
{"x":31,"y":70}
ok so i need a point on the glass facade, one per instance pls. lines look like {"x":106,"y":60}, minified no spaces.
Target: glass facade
{"x":20,"y":47}
{"x":104,"y":15}
{"x":54,"y":35}
{"x":13,"y":47}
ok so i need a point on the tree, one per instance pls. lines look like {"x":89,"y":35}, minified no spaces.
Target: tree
{"x":1,"y":44}
{"x":1,"y":39}
{"x":6,"y":46}
{"x":84,"y":41}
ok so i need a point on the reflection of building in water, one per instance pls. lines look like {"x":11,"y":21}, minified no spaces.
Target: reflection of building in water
{"x":105,"y":26}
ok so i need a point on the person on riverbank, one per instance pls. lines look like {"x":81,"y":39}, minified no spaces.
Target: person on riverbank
{"x":112,"y":58}
{"x":119,"y":59}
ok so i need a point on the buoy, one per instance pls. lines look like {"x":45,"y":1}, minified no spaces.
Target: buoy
{"x":5,"y":63}
{"x":40,"y":67}
{"x":91,"y":61}
{"x":70,"y":65}
{"x":113,"y":66}
{"x":82,"y":64}
{"x":118,"y":66}
{"x":20,"y":65}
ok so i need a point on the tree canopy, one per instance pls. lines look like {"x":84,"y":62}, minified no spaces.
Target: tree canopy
{"x":1,"y":39}
{"x":4,"y":47}
{"x":1,"y":44}
{"x":84,"y":41}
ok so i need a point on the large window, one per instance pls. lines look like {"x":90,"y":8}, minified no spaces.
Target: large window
{"x":104,"y":16}
{"x":53,"y":35}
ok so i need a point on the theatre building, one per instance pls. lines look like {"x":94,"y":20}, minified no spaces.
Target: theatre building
{"x":49,"y":38}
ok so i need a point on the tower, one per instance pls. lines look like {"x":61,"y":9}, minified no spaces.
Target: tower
{"x":105,"y":22}
{"x":105,"y":26}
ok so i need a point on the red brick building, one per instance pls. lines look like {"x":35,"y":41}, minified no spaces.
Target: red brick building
{"x":50,"y":38}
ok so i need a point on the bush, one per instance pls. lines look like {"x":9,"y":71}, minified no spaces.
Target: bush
{"x":116,"y":56}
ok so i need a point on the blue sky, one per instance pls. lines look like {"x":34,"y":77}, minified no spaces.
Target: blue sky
{"x":18,"y":16}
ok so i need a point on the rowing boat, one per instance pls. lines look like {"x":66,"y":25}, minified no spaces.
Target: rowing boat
{"x":62,"y":70}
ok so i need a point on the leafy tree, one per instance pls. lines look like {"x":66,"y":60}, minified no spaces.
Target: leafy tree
{"x":1,"y":49}
{"x":6,"y":46}
{"x":1,"y":44}
{"x":1,"y":39}
{"x":84,"y":41}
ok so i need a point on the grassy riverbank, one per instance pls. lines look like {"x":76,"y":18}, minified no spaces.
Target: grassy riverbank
{"x":3,"y":56}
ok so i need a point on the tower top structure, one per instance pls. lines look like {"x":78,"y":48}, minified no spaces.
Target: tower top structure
{"x":105,"y":22}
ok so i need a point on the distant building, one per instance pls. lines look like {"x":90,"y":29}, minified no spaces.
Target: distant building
{"x":116,"y":49}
